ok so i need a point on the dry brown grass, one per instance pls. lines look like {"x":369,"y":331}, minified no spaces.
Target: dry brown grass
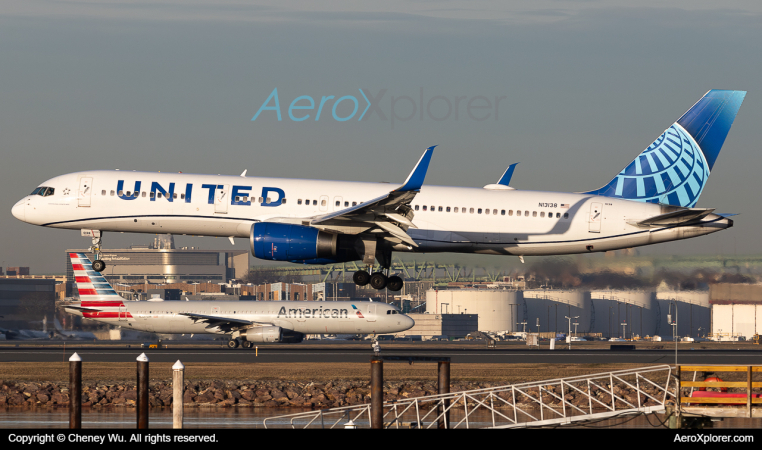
{"x":319,"y":372}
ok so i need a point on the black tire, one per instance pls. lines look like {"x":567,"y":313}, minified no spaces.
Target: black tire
{"x":395,"y":283}
{"x":361,"y":278}
{"x":247,"y":344}
{"x":99,"y":266}
{"x":233,"y":343}
{"x":378,"y":281}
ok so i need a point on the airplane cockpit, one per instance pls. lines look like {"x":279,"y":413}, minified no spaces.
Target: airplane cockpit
{"x":43,"y":191}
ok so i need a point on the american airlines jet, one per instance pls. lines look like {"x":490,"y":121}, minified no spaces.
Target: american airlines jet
{"x":652,"y":200}
{"x":245,"y":322}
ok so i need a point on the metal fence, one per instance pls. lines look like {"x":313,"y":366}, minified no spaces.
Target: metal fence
{"x":542,"y":403}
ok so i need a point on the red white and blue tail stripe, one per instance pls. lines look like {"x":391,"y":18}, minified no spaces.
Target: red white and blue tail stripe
{"x":91,"y":284}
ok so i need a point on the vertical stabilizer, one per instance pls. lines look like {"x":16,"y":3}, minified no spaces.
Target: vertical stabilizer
{"x":675,"y":168}
{"x":91,"y":285}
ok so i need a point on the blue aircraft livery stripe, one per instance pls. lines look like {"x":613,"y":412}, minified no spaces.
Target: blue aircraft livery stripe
{"x":675,"y":168}
{"x":415,"y":179}
{"x":710,"y":119}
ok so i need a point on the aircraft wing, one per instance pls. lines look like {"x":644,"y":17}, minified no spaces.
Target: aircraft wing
{"x":390,"y":213}
{"x":225,"y":324}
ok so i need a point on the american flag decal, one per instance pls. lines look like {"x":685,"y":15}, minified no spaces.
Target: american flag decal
{"x":565,"y":205}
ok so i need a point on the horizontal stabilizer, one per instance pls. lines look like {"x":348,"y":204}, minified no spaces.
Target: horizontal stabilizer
{"x":679,"y":217}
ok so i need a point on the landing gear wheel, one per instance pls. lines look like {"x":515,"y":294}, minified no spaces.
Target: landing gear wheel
{"x":99,"y":265}
{"x":378,"y":281}
{"x":361,"y":278}
{"x":247,"y":344}
{"x":395,"y":283}
{"x":233,"y":343}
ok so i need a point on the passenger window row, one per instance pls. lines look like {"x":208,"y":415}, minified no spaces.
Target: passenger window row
{"x":324,"y":203}
{"x":487,"y":211}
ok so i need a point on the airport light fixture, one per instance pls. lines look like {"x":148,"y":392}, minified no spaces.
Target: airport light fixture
{"x":672,"y":320}
{"x":568,"y":337}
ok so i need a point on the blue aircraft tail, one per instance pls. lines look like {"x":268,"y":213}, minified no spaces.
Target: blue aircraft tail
{"x":674,"y":169}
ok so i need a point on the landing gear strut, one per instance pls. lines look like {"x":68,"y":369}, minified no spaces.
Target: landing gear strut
{"x":98,"y":264}
{"x":371,"y":250}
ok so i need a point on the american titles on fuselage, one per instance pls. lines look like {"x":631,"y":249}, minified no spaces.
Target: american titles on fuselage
{"x":316,"y":313}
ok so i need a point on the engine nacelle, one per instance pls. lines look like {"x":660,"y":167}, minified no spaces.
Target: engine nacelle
{"x":271,"y":334}
{"x":298,"y":243}
{"x":262,"y":334}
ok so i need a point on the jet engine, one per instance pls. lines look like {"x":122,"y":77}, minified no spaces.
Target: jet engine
{"x":271,"y":334}
{"x":298,"y":243}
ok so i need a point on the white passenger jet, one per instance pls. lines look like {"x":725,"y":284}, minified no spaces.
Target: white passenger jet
{"x":652,"y":200}
{"x":246,"y":322}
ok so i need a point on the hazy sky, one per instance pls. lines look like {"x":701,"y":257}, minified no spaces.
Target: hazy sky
{"x":582,"y":88}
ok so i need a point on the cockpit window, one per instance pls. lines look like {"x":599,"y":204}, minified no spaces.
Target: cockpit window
{"x":43,"y":191}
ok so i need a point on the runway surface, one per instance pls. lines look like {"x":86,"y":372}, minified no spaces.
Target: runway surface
{"x":362,"y":353}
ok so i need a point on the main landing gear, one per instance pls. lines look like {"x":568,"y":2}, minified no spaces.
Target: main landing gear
{"x":379,"y":280}
{"x":235,"y":343}
{"x":371,"y":251}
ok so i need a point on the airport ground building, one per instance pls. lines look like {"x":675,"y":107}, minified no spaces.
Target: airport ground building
{"x":452,"y":326}
{"x":141,"y":264}
{"x":27,"y":303}
{"x":736,"y":310}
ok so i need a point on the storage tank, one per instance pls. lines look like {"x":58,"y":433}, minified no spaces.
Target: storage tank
{"x":551,"y":307}
{"x":498,"y":309}
{"x":639,"y":310}
{"x":694,"y":315}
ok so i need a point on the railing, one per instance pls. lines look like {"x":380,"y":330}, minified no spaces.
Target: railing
{"x":697,"y":398}
{"x":541,"y":403}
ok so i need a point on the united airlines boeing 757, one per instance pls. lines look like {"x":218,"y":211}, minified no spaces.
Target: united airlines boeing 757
{"x":245,"y":322}
{"x":652,"y":200}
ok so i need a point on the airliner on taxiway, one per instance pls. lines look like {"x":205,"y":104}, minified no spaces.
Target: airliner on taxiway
{"x":245,"y":322}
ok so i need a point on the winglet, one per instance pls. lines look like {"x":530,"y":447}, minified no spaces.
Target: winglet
{"x":415,"y":179}
{"x":506,"y":178}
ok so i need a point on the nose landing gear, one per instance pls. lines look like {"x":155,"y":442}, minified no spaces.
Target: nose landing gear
{"x":98,"y":264}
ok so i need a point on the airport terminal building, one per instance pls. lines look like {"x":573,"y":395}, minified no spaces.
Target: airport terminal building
{"x":142,"y":264}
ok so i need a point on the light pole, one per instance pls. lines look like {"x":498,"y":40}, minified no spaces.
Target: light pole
{"x":673,"y":307}
{"x":568,"y":337}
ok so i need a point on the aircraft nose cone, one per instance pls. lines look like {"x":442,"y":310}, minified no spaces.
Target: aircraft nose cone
{"x":410,"y":323}
{"x":18,"y":210}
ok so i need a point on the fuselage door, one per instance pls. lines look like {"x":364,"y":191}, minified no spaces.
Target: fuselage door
{"x":371,"y":316}
{"x":122,"y":314}
{"x":85,"y":191}
{"x":596,"y":214}
{"x":221,"y":199}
